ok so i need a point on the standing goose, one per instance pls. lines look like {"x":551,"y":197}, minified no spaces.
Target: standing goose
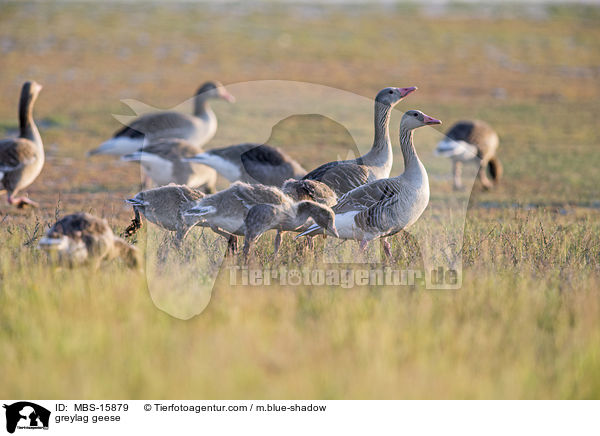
{"x":164,"y":207}
{"x":472,"y":141}
{"x":252,"y":163}
{"x":385,"y":207}
{"x":164,"y":161}
{"x":82,"y":238}
{"x":225,"y":212}
{"x":22,"y":159}
{"x":343,"y":176}
{"x":197,"y":129}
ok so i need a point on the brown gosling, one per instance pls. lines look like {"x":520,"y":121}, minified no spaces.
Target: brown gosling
{"x":164,"y":206}
{"x":226,"y":212}
{"x":81,"y":238}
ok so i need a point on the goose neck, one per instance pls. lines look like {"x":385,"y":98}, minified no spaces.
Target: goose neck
{"x":27,"y":127}
{"x":408,"y":148}
{"x":381,"y":151}
{"x":201,"y":107}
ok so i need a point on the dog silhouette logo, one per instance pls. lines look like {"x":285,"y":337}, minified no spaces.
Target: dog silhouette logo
{"x":26,"y":415}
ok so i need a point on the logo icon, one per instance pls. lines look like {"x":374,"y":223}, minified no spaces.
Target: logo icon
{"x":26,"y":415}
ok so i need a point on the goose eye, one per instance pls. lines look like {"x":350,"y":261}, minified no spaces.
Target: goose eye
{"x":390,"y":92}
{"x":415,"y":115}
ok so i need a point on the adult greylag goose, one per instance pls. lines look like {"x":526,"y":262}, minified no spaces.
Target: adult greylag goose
{"x":164,"y":161}
{"x":472,"y":141}
{"x":386,"y":206}
{"x":164,"y":207}
{"x":22,"y":158}
{"x":225,"y":212}
{"x":252,"y":163}
{"x":197,"y":129}
{"x":343,"y":176}
{"x":82,"y":238}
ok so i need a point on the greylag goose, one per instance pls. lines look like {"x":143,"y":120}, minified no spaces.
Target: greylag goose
{"x":386,"y":206}
{"x":472,"y":141}
{"x":22,"y":158}
{"x":164,"y":162}
{"x":197,"y":129}
{"x":164,"y":207}
{"x":225,"y":212}
{"x":82,"y":238}
{"x":252,"y":163}
{"x":343,"y":176}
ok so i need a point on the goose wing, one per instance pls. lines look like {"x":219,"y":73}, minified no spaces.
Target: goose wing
{"x":388,"y":215}
{"x":250,"y":195}
{"x":16,"y":153}
{"x":159,"y":124}
{"x":342,"y":177}
{"x":269,"y":165}
{"x":371,"y":194}
{"x":172,"y":149}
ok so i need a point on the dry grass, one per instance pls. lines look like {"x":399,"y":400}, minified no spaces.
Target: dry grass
{"x":525,"y":323}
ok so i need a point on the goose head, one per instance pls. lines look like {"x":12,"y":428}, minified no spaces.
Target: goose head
{"x":323,"y":216}
{"x":414,"y":119}
{"x":215,"y":90}
{"x":31,"y":89}
{"x":391,"y":96}
{"x":29,"y":94}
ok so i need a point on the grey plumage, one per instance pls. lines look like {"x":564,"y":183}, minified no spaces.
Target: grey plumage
{"x":252,"y":163}
{"x":164,"y":206}
{"x":386,"y":206}
{"x":309,"y":190}
{"x":343,"y":176}
{"x":227,"y":210}
{"x":197,"y":129}
{"x":164,"y":162}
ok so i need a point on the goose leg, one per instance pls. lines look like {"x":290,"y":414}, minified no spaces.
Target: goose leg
{"x":485,"y":181}
{"x":387,"y":248}
{"x":232,"y":242}
{"x":232,"y":245}
{"x":247,"y":246}
{"x":277,"y":242}
{"x":457,"y":173}
{"x":20,"y":202}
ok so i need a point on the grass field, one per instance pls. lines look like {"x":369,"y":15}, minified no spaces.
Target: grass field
{"x":526,"y":322}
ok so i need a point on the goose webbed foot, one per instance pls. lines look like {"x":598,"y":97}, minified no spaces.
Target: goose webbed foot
{"x":21,"y":202}
{"x":363,"y":245}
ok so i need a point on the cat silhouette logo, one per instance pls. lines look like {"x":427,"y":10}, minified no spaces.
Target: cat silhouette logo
{"x":26,"y":415}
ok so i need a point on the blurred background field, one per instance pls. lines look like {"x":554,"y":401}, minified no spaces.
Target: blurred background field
{"x":524,"y":325}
